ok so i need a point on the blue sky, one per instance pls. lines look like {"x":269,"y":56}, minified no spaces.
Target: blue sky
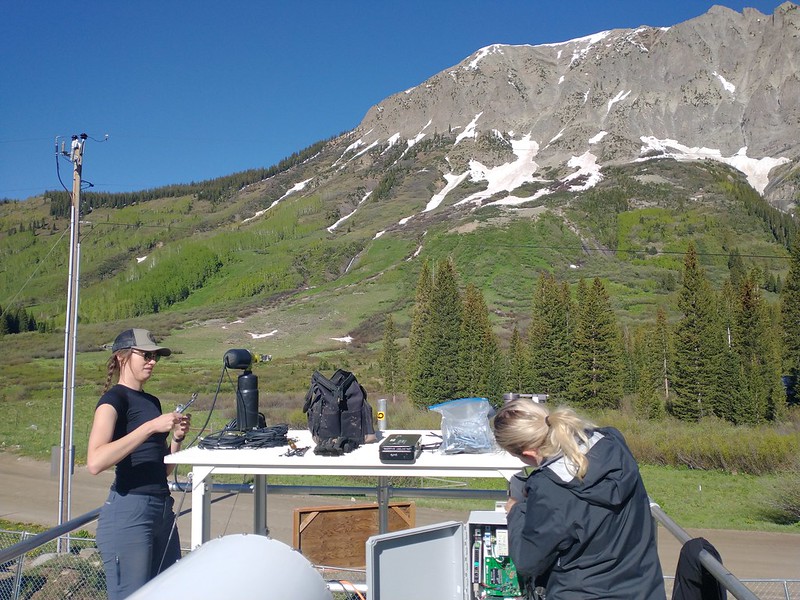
{"x":192,"y":90}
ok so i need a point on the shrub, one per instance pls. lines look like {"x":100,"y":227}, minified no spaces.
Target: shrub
{"x":709,"y":444}
{"x":786,"y":503}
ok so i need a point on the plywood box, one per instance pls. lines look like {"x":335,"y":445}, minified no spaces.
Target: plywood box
{"x":335,"y":536}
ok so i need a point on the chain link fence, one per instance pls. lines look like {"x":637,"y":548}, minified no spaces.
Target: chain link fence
{"x":44,"y":574}
{"x":764,"y":589}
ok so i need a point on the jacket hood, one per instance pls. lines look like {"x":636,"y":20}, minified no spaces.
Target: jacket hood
{"x":612,"y":475}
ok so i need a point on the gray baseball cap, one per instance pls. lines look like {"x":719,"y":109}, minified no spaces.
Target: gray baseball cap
{"x":139,"y":339}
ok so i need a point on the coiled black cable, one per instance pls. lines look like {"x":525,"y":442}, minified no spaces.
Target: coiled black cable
{"x":264,"y":437}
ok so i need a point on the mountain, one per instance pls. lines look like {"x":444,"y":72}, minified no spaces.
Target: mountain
{"x":724,"y":86}
{"x":597,"y":157}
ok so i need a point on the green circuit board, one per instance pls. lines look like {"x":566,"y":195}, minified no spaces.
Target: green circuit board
{"x":500,"y":577}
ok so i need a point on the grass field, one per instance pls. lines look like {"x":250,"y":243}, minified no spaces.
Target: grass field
{"x":694,"y":498}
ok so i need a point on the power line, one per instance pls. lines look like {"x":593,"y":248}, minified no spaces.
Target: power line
{"x":36,"y":270}
{"x":144,"y":225}
{"x":634,"y":251}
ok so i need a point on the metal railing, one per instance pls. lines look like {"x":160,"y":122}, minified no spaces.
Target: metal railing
{"x":33,"y":566}
{"x":711,"y":564}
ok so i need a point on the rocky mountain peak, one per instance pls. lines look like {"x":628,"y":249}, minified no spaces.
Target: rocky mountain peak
{"x":723,"y":86}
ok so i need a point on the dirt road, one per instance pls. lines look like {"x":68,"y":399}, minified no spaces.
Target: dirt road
{"x":29,"y":494}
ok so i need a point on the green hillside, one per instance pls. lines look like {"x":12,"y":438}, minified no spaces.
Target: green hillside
{"x":215,"y":252}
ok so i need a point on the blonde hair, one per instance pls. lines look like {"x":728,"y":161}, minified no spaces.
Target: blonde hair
{"x":525,"y":425}
{"x":114,"y":365}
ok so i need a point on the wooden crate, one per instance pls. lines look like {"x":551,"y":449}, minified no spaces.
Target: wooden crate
{"x":336,"y":535}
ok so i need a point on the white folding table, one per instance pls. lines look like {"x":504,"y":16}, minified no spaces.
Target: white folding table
{"x":364,"y":461}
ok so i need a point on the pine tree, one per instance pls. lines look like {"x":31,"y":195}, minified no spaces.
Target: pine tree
{"x":550,"y":337}
{"x":736,"y":391}
{"x":390,"y":358}
{"x":420,"y":372}
{"x":472,"y":367}
{"x":481,"y":368}
{"x":596,"y":365}
{"x":728,"y":366}
{"x":646,"y":359}
{"x":736,"y":267}
{"x":665,"y":351}
{"x":518,"y":378}
{"x":757,"y":352}
{"x":648,"y":403}
{"x":790,"y":315}
{"x":440,"y":348}
{"x":698,"y":343}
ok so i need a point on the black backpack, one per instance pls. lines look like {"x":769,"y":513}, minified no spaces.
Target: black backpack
{"x":339,"y":416}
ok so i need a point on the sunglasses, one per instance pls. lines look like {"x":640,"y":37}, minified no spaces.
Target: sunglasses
{"x":147,"y":356}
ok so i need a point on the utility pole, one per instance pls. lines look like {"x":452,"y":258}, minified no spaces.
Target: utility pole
{"x":67,"y":448}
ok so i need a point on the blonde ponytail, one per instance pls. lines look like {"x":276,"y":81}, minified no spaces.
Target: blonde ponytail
{"x":525,"y":425}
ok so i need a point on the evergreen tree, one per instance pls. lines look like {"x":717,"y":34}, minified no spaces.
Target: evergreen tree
{"x":736,"y":392}
{"x":724,"y":399}
{"x":481,"y":370}
{"x":748,"y":343}
{"x":597,"y":351}
{"x":648,"y":404}
{"x":697,"y":344}
{"x":390,"y":358}
{"x":759,"y":355}
{"x":518,"y":378}
{"x":737,"y":270}
{"x":471,"y":353}
{"x":496,"y":383}
{"x":420,"y":372}
{"x":646,"y":359}
{"x":550,"y":337}
{"x":790,"y":315}
{"x":632,"y":359}
{"x":665,"y":351}
{"x":440,"y":348}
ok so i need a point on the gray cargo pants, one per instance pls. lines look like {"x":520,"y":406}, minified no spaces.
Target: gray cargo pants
{"x":133,"y":535}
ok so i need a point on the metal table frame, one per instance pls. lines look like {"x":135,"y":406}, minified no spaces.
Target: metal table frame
{"x":364,"y":461}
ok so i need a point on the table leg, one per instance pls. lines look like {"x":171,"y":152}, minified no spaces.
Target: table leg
{"x":260,"y":505}
{"x":383,"y":504}
{"x":201,"y":506}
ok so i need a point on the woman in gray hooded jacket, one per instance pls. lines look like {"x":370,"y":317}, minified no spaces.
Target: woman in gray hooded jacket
{"x":579,"y":517}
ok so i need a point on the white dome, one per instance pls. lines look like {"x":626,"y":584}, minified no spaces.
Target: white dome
{"x":245,"y":567}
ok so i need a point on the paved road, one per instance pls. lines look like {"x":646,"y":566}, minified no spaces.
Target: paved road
{"x":29,"y":494}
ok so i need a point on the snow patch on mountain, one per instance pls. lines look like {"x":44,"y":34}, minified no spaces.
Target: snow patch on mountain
{"x":344,"y":218}
{"x":297,"y":187}
{"x":470,"y":130}
{"x":756,"y":169}
{"x":452,"y":183}
{"x":583,"y":45}
{"x":618,"y":98}
{"x":507,"y":177}
{"x":481,"y":54}
{"x":588,"y":171}
{"x":597,"y":138}
{"x":725,"y":83}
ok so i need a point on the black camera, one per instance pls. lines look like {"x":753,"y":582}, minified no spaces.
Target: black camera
{"x":246,"y":389}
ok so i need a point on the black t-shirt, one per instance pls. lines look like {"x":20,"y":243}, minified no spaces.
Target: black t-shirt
{"x":143,"y":471}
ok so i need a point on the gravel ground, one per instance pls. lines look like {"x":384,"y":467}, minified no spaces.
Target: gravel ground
{"x":29,"y":494}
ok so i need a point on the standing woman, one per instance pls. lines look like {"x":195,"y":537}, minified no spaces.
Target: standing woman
{"x":135,"y":530}
{"x":579,"y":520}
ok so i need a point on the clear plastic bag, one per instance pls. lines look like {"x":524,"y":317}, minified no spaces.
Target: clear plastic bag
{"x":465,"y":426}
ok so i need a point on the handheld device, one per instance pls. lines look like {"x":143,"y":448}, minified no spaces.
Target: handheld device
{"x":182,"y":407}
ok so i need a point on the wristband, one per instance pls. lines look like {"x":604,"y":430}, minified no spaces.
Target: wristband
{"x":178,"y":441}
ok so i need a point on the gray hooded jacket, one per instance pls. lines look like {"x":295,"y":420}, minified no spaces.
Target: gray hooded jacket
{"x":590,"y":538}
